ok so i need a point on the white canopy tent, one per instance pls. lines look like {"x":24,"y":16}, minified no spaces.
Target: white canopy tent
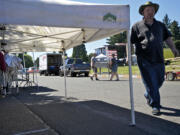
{"x":101,"y":56}
{"x":42,"y":25}
{"x":55,"y":25}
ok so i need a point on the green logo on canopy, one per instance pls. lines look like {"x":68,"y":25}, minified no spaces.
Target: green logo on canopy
{"x":109,"y":17}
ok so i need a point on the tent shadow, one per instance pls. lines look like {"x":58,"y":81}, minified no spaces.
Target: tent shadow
{"x":43,"y":95}
{"x":73,"y":116}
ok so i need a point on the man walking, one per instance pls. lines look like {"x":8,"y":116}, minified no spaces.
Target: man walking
{"x":93,"y":66}
{"x":148,"y":36}
{"x":114,"y":68}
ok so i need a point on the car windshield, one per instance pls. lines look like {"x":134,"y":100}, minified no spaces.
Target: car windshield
{"x":69,"y":61}
{"x":74,"y":61}
{"x":79,"y":61}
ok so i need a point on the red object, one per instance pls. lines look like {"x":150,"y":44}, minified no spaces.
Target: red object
{"x":2,"y":62}
{"x":172,"y":75}
{"x":32,"y":69}
{"x":110,"y":52}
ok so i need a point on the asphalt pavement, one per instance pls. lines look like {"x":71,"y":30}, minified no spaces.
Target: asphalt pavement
{"x":92,"y":108}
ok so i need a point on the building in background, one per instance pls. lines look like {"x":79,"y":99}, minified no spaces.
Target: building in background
{"x":119,"y":50}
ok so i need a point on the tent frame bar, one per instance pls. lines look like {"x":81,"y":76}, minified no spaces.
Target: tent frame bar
{"x":133,"y":123}
{"x":41,"y":36}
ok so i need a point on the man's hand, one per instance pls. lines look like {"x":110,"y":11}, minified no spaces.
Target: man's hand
{"x":171,"y":45}
{"x":175,"y":52}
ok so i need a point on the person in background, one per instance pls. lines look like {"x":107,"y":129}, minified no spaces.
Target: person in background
{"x":93,"y":66}
{"x":114,"y":67}
{"x":2,"y":71}
{"x":148,"y":36}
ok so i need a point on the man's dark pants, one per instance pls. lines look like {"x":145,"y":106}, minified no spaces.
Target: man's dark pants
{"x":153,"y":78}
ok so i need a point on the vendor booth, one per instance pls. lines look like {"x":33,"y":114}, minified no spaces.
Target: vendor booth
{"x":58,"y":25}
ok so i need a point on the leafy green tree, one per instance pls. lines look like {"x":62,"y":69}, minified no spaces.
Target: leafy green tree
{"x":167,"y":21}
{"x":175,"y":30}
{"x":37,"y":62}
{"x":80,"y":52}
{"x":89,"y":57}
{"x":119,"y":38}
{"x":28,"y":60}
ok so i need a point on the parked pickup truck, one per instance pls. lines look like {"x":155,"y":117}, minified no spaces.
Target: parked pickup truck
{"x":75,"y":66}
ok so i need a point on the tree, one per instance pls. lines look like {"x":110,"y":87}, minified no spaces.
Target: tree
{"x":80,"y":52}
{"x":167,"y":21}
{"x":37,"y":62}
{"x":28,"y":60}
{"x":119,"y":38}
{"x":175,"y":30}
{"x":90,"y":56}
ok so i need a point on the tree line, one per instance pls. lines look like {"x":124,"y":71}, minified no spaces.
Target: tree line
{"x":174,"y":27}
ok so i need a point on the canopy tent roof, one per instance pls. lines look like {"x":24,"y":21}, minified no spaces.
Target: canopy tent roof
{"x":50,"y":25}
{"x":101,"y":56}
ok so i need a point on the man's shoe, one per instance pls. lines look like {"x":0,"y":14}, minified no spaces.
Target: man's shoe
{"x":97,"y":79}
{"x":91,"y":78}
{"x":155,"y":111}
{"x":148,"y":100}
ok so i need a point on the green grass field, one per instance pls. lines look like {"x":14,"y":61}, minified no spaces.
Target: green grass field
{"x":123,"y":70}
{"x":168,"y":53}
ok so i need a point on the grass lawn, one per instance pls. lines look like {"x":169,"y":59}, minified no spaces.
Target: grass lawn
{"x":123,"y":70}
{"x":174,"y":66}
{"x":168,"y":53}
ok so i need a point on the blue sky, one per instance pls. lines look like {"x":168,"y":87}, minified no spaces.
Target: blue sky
{"x":166,"y":7}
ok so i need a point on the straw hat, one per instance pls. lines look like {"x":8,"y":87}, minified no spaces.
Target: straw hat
{"x":149,"y":3}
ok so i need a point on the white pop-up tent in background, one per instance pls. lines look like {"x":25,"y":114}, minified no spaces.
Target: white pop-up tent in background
{"x":46,"y":25}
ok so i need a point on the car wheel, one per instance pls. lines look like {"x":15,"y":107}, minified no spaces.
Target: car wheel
{"x":40,"y":74}
{"x":86,"y":74}
{"x":61,"y":74}
{"x":73,"y":74}
{"x":46,"y":73}
{"x":170,"y":76}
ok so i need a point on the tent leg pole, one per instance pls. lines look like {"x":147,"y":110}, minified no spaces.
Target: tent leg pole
{"x":37,"y":79}
{"x":4,"y":83}
{"x":17,"y":87}
{"x":64,"y":66}
{"x":24,"y":62}
{"x":35,"y":73}
{"x":133,"y":123}
{"x":33,"y":65}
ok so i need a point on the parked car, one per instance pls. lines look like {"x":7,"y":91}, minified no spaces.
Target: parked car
{"x":172,"y":75}
{"x":75,"y":66}
{"x":32,"y":70}
{"x":23,"y":71}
